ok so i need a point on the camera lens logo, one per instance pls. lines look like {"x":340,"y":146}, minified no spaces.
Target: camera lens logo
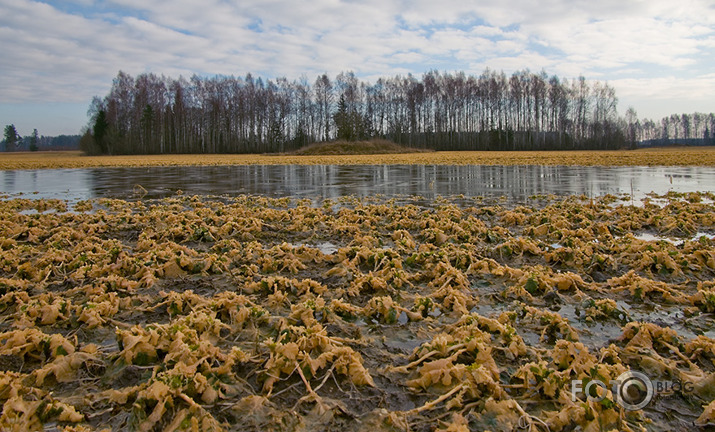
{"x":634,"y":390}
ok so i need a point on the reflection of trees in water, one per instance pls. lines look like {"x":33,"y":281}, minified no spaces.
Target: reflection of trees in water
{"x":9,"y":181}
{"x":69,"y":184}
{"x":320,"y":181}
{"x":513,"y":181}
{"x":331,"y":181}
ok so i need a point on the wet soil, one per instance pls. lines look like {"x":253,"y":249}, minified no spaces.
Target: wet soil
{"x":384,"y":282}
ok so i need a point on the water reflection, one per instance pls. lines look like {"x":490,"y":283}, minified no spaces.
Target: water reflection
{"x":332,"y":181}
{"x":9,"y":180}
{"x":69,"y":184}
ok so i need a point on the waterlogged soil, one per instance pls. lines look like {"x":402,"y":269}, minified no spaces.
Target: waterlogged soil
{"x":254,"y":313}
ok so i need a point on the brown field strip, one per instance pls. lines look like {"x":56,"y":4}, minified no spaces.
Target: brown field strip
{"x":687,"y":156}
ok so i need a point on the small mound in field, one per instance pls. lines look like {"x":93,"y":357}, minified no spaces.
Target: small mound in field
{"x":356,"y":148}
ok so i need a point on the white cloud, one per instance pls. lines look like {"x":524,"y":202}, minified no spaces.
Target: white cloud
{"x":657,"y":97}
{"x":668,"y":88}
{"x":69,"y":50}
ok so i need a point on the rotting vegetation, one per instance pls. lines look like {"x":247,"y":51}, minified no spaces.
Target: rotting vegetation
{"x":252,"y":313}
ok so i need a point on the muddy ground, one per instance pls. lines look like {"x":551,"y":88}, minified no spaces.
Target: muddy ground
{"x":251,"y":313}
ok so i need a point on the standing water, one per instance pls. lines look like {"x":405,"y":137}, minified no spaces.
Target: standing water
{"x":331,"y":181}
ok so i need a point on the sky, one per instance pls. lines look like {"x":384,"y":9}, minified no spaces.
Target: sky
{"x":56,"y":55}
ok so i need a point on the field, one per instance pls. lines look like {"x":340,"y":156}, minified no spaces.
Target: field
{"x":674,"y":156}
{"x":253,"y":313}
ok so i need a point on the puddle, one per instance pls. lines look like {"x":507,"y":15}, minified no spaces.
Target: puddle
{"x":325,"y":247}
{"x":674,"y":241}
{"x":654,"y":238}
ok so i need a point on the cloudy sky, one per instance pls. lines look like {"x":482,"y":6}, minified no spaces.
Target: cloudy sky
{"x":56,"y":55}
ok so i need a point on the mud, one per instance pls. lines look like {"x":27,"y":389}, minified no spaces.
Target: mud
{"x":251,"y":313}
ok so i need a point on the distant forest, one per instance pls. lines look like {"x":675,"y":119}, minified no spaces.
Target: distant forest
{"x":682,"y":129}
{"x":442,"y":111}
{"x":12,"y":141}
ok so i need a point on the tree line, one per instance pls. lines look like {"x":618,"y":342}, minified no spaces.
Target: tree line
{"x":692,"y":129}
{"x":443,"y":111}
{"x":12,"y":141}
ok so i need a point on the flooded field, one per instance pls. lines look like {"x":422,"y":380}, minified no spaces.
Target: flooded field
{"x":255,"y":313}
{"x":387,"y":298}
{"x":517,"y":183}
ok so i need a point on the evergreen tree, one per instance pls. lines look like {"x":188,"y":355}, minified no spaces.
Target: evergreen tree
{"x":342,"y":121}
{"x":34,"y":139}
{"x":350,"y":124}
{"x":101,"y":127}
{"x":11,"y":137}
